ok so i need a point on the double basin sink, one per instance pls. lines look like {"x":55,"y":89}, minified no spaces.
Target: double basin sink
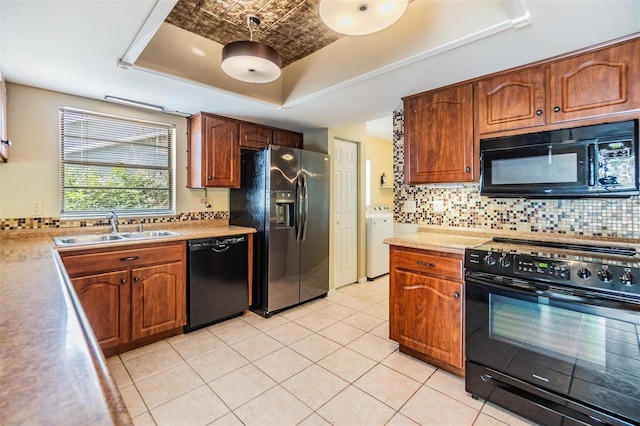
{"x":78,"y":240}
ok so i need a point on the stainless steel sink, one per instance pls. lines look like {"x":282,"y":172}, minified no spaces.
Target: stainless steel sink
{"x":87,"y":239}
{"x":149,"y":234}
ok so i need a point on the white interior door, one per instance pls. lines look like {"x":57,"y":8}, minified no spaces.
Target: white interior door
{"x":345,"y":251}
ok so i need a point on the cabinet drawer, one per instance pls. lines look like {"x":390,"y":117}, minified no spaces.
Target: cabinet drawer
{"x":104,"y":261}
{"x":427,"y":263}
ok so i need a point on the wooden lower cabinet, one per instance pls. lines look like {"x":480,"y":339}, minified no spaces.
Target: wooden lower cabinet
{"x":426,"y":296}
{"x":155,"y":306}
{"x":131,"y":297}
{"x":105,"y":300}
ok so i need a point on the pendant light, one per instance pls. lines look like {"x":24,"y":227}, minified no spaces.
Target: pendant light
{"x":251,"y":61}
{"x":361,"y":17}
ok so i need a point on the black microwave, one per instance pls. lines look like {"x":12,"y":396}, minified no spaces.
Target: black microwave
{"x":589,"y":161}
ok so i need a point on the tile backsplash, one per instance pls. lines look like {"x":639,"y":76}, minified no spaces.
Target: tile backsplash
{"x":13,"y":224}
{"x":465,"y":208}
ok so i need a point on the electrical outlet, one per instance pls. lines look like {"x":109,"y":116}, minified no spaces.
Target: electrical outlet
{"x":36,"y":208}
{"x":409,"y":206}
{"x":438,"y":206}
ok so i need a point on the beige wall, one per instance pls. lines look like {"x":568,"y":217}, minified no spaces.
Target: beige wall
{"x":32,"y":171}
{"x":380,"y":152}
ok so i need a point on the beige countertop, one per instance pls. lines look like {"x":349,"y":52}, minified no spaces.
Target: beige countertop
{"x":439,"y":242}
{"x":51,"y":368}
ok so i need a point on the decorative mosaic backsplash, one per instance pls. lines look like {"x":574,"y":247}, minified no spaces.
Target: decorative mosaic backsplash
{"x":53,"y":222}
{"x":465,"y":208}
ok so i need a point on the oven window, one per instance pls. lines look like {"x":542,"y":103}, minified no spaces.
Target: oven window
{"x":558,"y":332}
{"x":550,"y":168}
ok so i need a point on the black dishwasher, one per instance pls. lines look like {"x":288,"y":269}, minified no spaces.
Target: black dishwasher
{"x":217,"y":284}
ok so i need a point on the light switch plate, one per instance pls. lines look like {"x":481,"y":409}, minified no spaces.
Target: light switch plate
{"x":409,"y":206}
{"x":438,"y":206}
{"x":36,"y":208}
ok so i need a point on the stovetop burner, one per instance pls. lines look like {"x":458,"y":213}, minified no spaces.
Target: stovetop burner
{"x":612,"y":268}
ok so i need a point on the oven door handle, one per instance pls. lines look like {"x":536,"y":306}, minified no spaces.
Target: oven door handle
{"x":594,"y":300}
{"x":561,"y":295}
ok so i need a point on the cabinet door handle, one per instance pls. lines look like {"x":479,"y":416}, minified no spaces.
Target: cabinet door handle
{"x":209,"y":177}
{"x":136,"y":279}
{"x":123,"y":281}
{"x":456,"y":295}
{"x":128,"y":259}
{"x":421,"y":263}
{"x":556,"y":109}
{"x":467,"y":169}
{"x":539,"y":112}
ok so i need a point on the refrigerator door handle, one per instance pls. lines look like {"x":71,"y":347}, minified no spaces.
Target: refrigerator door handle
{"x":306,"y":206}
{"x":299,"y":201}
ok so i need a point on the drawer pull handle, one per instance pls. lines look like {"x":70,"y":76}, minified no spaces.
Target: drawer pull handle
{"x":123,"y":281}
{"x":127,"y":259}
{"x":421,"y":263}
{"x":456,"y":295}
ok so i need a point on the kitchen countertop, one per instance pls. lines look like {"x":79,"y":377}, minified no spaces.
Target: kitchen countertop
{"x":439,"y":242}
{"x":51,"y":368}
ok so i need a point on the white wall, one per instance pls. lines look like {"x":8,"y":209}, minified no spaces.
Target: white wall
{"x":32,"y":171}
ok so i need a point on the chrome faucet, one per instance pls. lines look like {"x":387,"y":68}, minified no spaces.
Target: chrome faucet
{"x":112,"y":217}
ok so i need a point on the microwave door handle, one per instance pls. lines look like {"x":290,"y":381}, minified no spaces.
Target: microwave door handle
{"x":591,"y":154}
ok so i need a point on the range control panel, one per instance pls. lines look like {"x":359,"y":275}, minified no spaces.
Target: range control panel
{"x":613,"y":277}
{"x":545,"y":268}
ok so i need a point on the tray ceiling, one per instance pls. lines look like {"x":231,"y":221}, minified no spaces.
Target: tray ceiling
{"x":292,"y":27}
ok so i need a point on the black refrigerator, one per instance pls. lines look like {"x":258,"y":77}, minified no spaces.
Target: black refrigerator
{"x":284,"y":195}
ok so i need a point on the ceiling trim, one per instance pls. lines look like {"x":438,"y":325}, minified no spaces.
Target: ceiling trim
{"x":520,"y":17}
{"x":274,"y":105}
{"x":157,"y":16}
{"x":478,"y":35}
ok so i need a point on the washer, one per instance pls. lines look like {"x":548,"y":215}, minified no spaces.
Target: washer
{"x":379,"y":227}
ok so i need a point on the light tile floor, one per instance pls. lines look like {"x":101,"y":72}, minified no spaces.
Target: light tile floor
{"x":327,"y":362}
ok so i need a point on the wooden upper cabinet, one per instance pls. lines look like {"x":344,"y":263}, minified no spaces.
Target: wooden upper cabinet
{"x":253,"y":136}
{"x":598,"y":83}
{"x":214,"y":152}
{"x":438,"y":137}
{"x":287,"y":138}
{"x":588,"y":85}
{"x":512,"y":100}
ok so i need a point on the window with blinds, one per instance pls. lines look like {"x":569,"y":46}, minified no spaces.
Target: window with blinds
{"x":115,"y":163}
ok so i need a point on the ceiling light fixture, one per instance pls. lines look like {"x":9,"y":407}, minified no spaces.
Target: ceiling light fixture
{"x":361,"y":17}
{"x":133,"y":103}
{"x":145,"y":105}
{"x":251,"y":61}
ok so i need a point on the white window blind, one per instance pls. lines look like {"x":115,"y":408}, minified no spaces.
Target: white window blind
{"x":114,"y":163}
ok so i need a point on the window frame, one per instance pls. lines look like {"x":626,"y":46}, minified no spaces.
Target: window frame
{"x":171,"y":167}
